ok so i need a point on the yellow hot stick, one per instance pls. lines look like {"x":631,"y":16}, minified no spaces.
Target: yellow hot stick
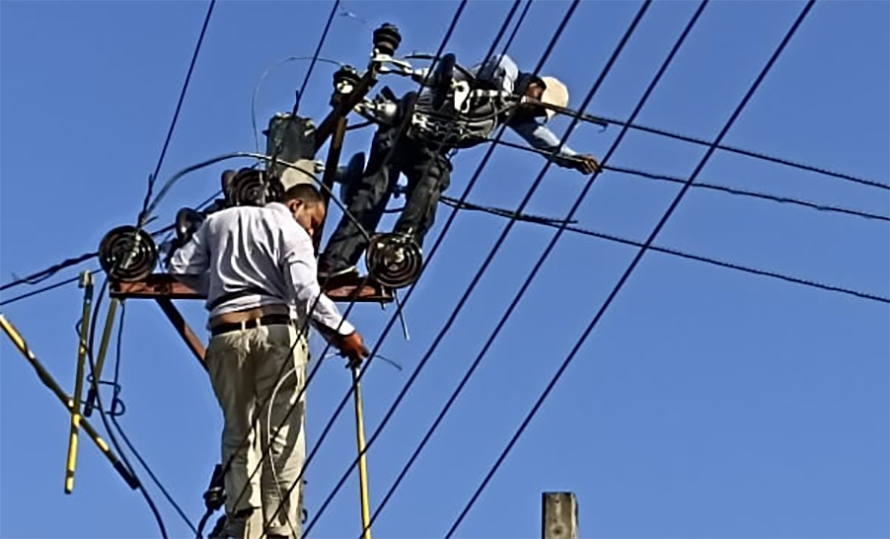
{"x":86,"y":282}
{"x":49,"y":382}
{"x":362,"y":471}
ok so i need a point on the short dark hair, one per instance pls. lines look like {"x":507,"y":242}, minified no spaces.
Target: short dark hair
{"x":303,"y":191}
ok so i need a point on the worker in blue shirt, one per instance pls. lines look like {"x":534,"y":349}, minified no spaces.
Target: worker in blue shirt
{"x":427,"y":167}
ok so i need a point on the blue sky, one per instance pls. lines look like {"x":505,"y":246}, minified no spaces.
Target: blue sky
{"x":706,"y":403}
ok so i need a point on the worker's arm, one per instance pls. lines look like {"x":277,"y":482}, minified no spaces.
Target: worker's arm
{"x":189,"y":263}
{"x":302,"y":272}
{"x":541,"y":137}
{"x":324,"y":316}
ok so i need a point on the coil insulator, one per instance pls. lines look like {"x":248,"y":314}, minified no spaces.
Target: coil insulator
{"x":126,"y":254}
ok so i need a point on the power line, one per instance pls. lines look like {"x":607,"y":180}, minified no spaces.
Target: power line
{"x":611,"y":61}
{"x":751,"y":153}
{"x":321,"y":41}
{"x":103,"y":415}
{"x":185,"y":85}
{"x":42,"y":275}
{"x":39,"y":291}
{"x":115,"y":401}
{"x":280,"y":144}
{"x":724,"y":264}
{"x":45,"y":274}
{"x":555,"y":223}
{"x":459,"y":388}
{"x":723,"y":188}
{"x":754,"y":194}
{"x":711,"y":149}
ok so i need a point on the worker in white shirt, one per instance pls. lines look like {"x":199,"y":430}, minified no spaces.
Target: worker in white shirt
{"x":257,"y":267}
{"x":428,"y":168}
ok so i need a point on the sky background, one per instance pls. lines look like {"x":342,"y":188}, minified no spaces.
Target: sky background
{"x":706,"y":403}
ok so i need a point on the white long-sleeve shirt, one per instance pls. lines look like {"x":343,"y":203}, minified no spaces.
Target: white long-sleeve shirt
{"x":261,"y":249}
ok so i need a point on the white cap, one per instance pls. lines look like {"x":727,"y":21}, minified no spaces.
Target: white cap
{"x":555,"y":93}
{"x":303,"y":173}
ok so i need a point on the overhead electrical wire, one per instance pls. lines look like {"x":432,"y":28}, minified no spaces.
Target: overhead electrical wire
{"x":321,"y":41}
{"x":754,"y":154}
{"x":143,"y":219}
{"x":441,"y":236}
{"x":185,"y":85}
{"x":426,"y":171}
{"x":256,"y":90}
{"x":49,"y":272}
{"x":103,"y":415}
{"x":633,"y":264}
{"x":280,"y":145}
{"x":72,"y":261}
{"x":42,"y":275}
{"x":610,"y":62}
{"x":725,"y":264}
{"x":114,"y":414}
{"x":754,"y":194}
{"x":39,"y":291}
{"x":385,"y":161}
{"x":460,"y":386}
{"x":723,"y":188}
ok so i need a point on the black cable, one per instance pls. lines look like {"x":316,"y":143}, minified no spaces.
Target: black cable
{"x":182,"y":93}
{"x":45,"y":274}
{"x":114,"y":403}
{"x":497,"y":245}
{"x":42,"y":275}
{"x":711,"y":149}
{"x":723,"y":188}
{"x":500,"y":212}
{"x":460,"y":386}
{"x":724,"y":264}
{"x":103,"y":415}
{"x":39,"y":291}
{"x":754,"y":194}
{"x":321,"y":41}
{"x":754,"y":154}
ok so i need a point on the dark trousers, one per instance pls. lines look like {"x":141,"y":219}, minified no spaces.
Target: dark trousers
{"x":429,"y":174}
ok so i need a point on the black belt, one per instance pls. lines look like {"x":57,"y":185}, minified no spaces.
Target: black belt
{"x":267,"y":320}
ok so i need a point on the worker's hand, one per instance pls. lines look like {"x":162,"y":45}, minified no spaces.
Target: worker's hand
{"x":586,"y":164}
{"x":353,"y":348}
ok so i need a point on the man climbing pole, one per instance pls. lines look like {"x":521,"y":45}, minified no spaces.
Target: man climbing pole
{"x":256,"y":266}
{"x":427,"y":167}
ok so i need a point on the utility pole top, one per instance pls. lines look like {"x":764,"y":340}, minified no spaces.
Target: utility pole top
{"x":560,"y":516}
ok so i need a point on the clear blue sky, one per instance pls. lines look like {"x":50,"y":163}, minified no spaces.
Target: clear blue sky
{"x":706,"y":403}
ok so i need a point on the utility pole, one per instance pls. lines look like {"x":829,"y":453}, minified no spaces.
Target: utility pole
{"x":560,"y":515}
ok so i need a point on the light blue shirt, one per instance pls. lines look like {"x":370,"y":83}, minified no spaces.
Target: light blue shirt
{"x":503,"y":72}
{"x":256,"y":247}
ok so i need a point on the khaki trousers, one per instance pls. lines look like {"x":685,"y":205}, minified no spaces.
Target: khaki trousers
{"x":244,"y":367}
